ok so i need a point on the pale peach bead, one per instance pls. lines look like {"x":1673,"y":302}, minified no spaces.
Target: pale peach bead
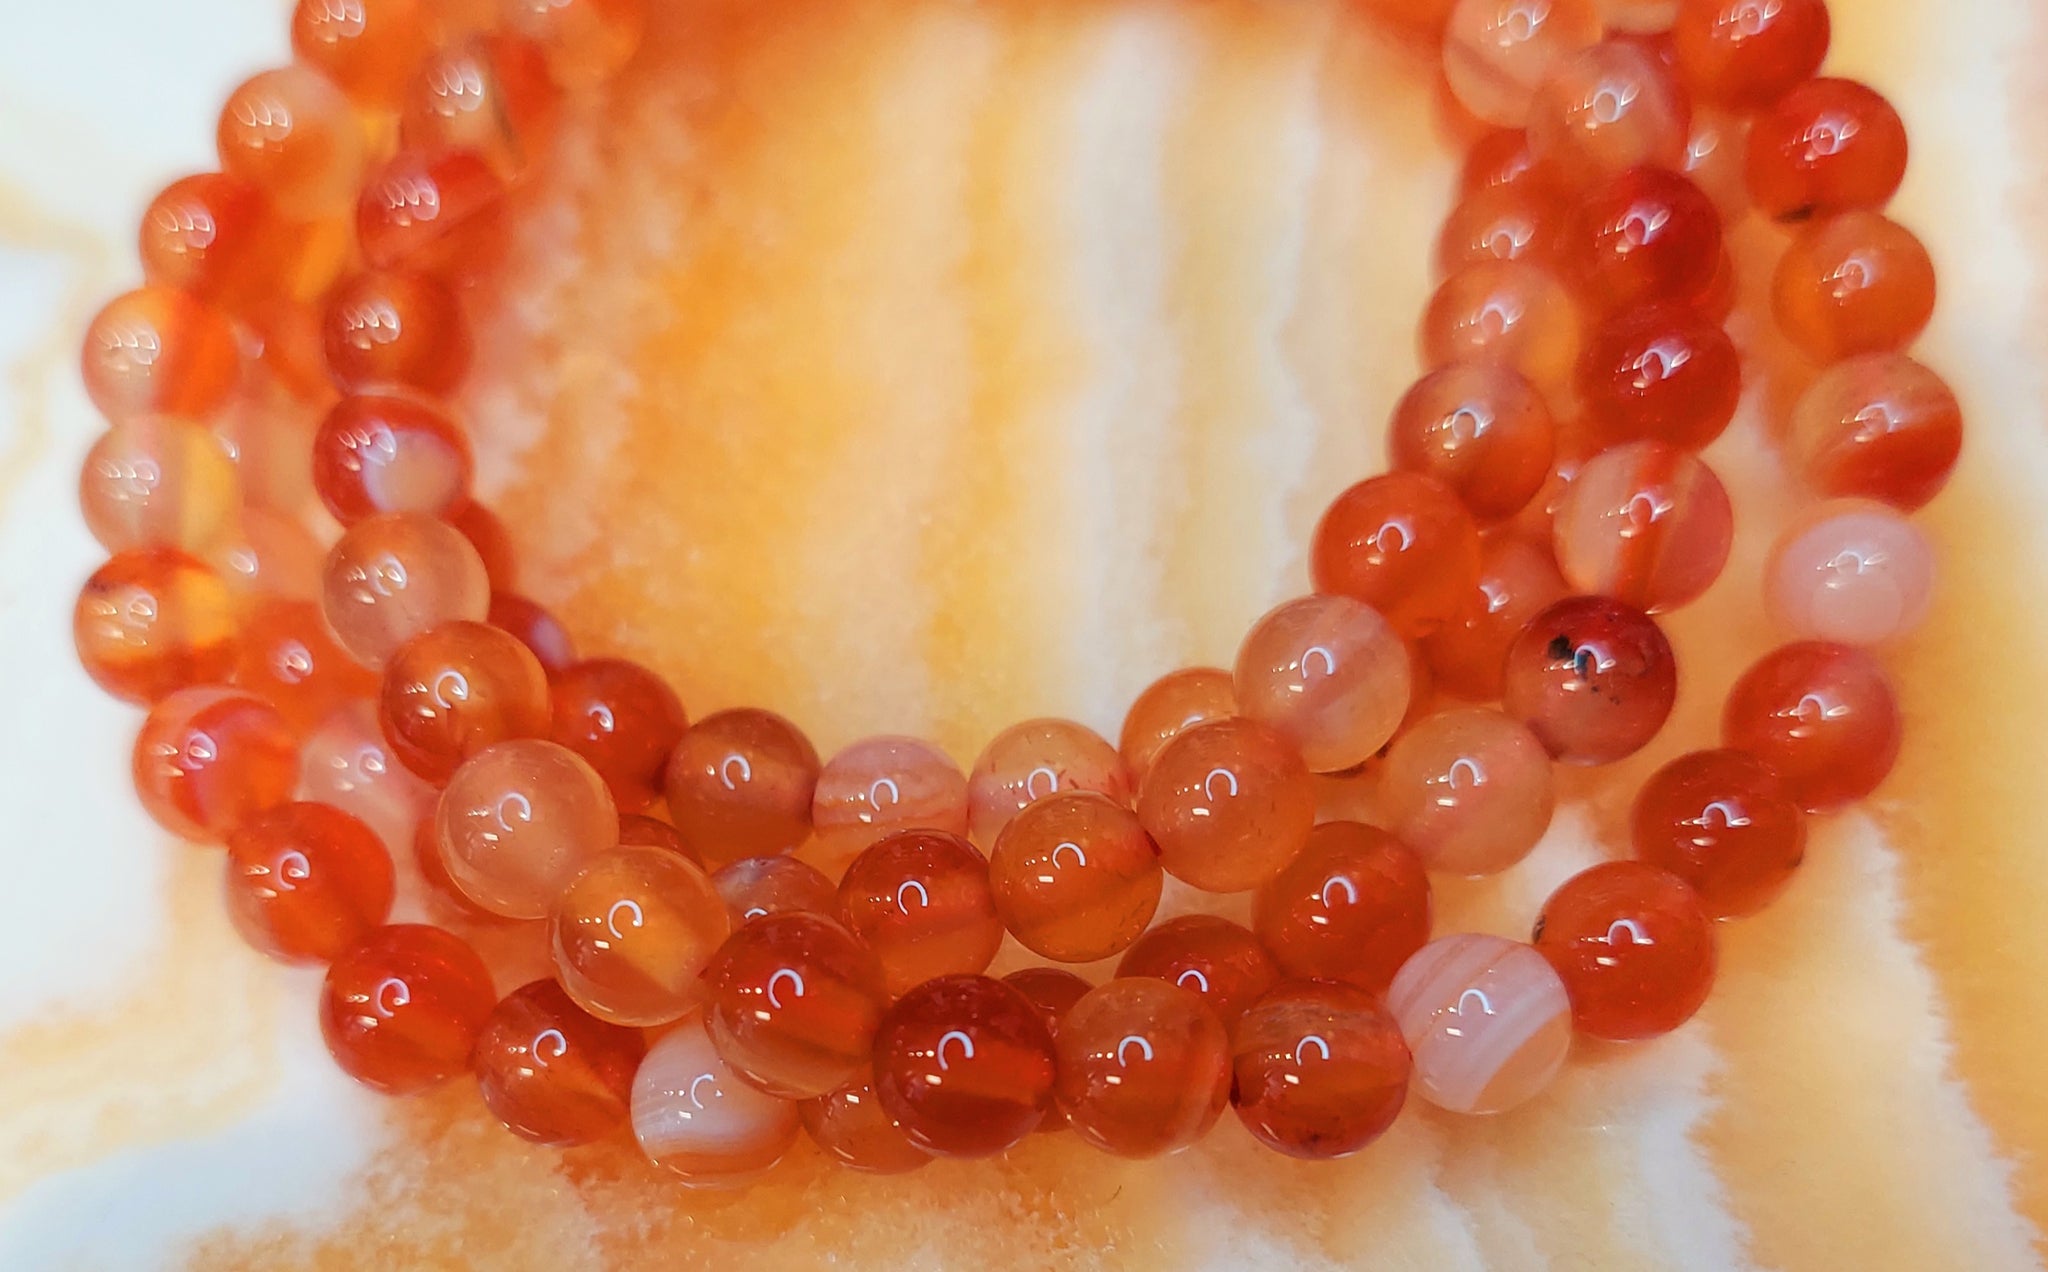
{"x":1487,"y":1020}
{"x":586,"y":42}
{"x":1647,"y":524}
{"x":1854,"y":572}
{"x":1610,"y":108}
{"x":347,"y":762}
{"x":633,"y":932}
{"x":291,"y":133}
{"x":1470,"y":790}
{"x":1515,"y":312}
{"x":1715,"y":159}
{"x":1330,"y":675}
{"x":1039,"y":758}
{"x":270,"y":555}
{"x":392,"y":577}
{"x":518,"y":821}
{"x":1496,"y":52}
{"x":1177,"y":701}
{"x":881,"y":785}
{"x":159,"y":482}
{"x":1640,"y":16}
{"x":693,"y":1115}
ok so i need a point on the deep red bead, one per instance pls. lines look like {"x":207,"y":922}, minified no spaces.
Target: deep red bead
{"x":306,"y":881}
{"x":1351,"y":907}
{"x":1592,"y":678}
{"x":377,"y":453}
{"x":536,"y":629}
{"x":964,"y":1065}
{"x":621,"y":718}
{"x":1218,"y":959}
{"x":1648,"y":235}
{"x":1661,"y":373}
{"x":1746,"y":53}
{"x":1724,"y":823}
{"x":402,"y":1009}
{"x":1826,"y":146}
{"x":1632,"y":945}
{"x":1822,"y":715}
{"x":1320,"y":1071}
{"x":552,"y":1072}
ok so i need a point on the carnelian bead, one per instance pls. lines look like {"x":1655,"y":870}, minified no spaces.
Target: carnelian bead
{"x":1821,"y":715}
{"x":1487,"y":1020}
{"x":1646,"y":17}
{"x":1209,"y":956}
{"x":585,"y":42}
{"x":213,"y":236}
{"x":637,"y":830}
{"x":740,"y":784}
{"x":1881,"y":426}
{"x":1746,"y":53}
{"x":1328,"y":675}
{"x":1403,"y":544}
{"x":1647,"y":234}
{"x":1037,"y":759}
{"x":1481,"y":430}
{"x":1855,"y":572}
{"x":1517,"y":581}
{"x":1509,"y":222}
{"x":1075,"y":877}
{"x":518,"y":820}
{"x":1662,"y":373}
{"x":395,"y":575}
{"x":1352,"y":907}
{"x":878,"y":786}
{"x":1169,"y":706}
{"x":541,"y":632}
{"x":1496,"y":52}
{"x":347,"y":763}
{"x":1853,"y":283}
{"x":490,"y":95}
{"x":964,"y":1066}
{"x":155,"y":351}
{"x":755,"y":887}
{"x":621,"y":718}
{"x":1419,"y":17}
{"x":1645,"y":524}
{"x":159,"y":482}
{"x":849,"y":1125}
{"x":1513,"y":312}
{"x":794,"y":1002}
{"x":632,"y":933}
{"x":402,"y":1009}
{"x":1144,"y":1068}
{"x":293,"y":135}
{"x":1721,"y":821}
{"x":1500,"y":157}
{"x":1715,"y":154}
{"x":289,"y":659}
{"x":1228,"y":803}
{"x":1470,"y":790}
{"x":552,"y":1072}
{"x":306,"y":881}
{"x":208,"y":758}
{"x":1633,"y":947}
{"x":1592,"y":678}
{"x":270,"y":556}
{"x":1051,"y":991}
{"x":455,"y":689}
{"x":1611,"y":107}
{"x":367,"y":47}
{"x":693,"y":1115}
{"x":384,"y":329}
{"x":492,"y":541}
{"x":1827,"y":146}
{"x":1319,"y":1070}
{"x":426,"y":854}
{"x":377,"y":454}
{"x":431,"y":211}
{"x":920,"y":899}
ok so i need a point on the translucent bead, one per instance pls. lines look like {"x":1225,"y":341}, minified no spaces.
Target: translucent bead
{"x":1643,"y":236}
{"x":383,"y":330}
{"x":1880,"y":426}
{"x":376,"y":454}
{"x":552,"y":1072}
{"x":1471,"y":790}
{"x":1211,"y":957}
{"x":159,"y":483}
{"x":1509,"y":222}
{"x":1517,"y":581}
{"x":214,"y":237}
{"x":623,"y":720}
{"x":1352,"y":907}
{"x":754,"y":887}
{"x":490,"y":95}
{"x":393,"y":576}
{"x":366,"y":47}
{"x":1496,"y":52}
{"x":849,"y":1126}
{"x":1513,"y":312}
{"x":1228,"y":804}
{"x":740,"y":784}
{"x":455,"y":689}
{"x":436,"y":211}
{"x":1500,"y":157}
{"x":693,"y":1115}
{"x":1403,"y":544}
{"x":586,"y":42}
{"x":290,"y":661}
{"x":633,"y":932}
{"x":293,"y":135}
{"x":1320,"y":1070}
{"x":1747,"y":53}
{"x":921,"y":901}
{"x":1633,"y":947}
{"x":155,"y":351}
{"x":1826,"y":146}
{"x":1037,"y":759}
{"x":347,"y":763}
{"x":1646,"y":524}
{"x":1075,"y":878}
{"x":1592,"y":678}
{"x":1854,"y":572}
{"x":401,"y":1010}
{"x":1481,"y":430}
{"x":1611,"y":107}
{"x":1822,"y":715}
{"x":794,"y":1002}
{"x":1723,"y":822}
{"x":637,"y":830}
{"x":1645,"y":16}
{"x":1144,"y":1068}
{"x":270,"y":556}
{"x":306,"y":881}
{"x":518,"y":820}
{"x":1420,"y":17}
{"x":878,"y":786}
{"x":207,"y":759}
{"x":153,"y":620}
{"x":1170,"y":705}
{"x":541,"y":632}
{"x":1052,"y":993}
{"x":492,"y":541}
{"x":1329,"y":675}
{"x":1716,"y":155}
{"x":1853,"y":283}
{"x":1487,"y":1020}
{"x":964,"y":1066}
{"x":1662,"y":373}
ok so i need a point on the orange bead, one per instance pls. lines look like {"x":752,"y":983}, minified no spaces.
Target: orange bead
{"x":1228,"y":803}
{"x":1664,"y":373}
{"x":295,"y":136}
{"x":552,"y":1072}
{"x":1470,"y":790}
{"x":740,"y":784}
{"x":1352,"y":907}
{"x":1507,"y":222}
{"x":490,"y":95}
{"x":1881,"y":426}
{"x":1646,"y":524}
{"x":377,"y":454}
{"x":1319,"y":1070}
{"x":1642,"y":236}
{"x":1170,"y":705}
{"x":518,"y":820}
{"x":1823,"y":716}
{"x":1517,"y":581}
{"x":388,"y":330}
{"x":1723,"y":822}
{"x":1612,"y":107}
{"x":1747,"y":53}
{"x":1144,"y":1068}
{"x":396,"y":575}
{"x":426,"y":854}
{"x":271,"y":556}
{"x":367,"y":47}
{"x":849,"y":1126}
{"x":1075,"y":878}
{"x":346,"y":762}
{"x":921,"y":901}
{"x":541,"y":632}
{"x":1480,"y":430}
{"x":290,"y":661}
{"x":1033,"y":761}
{"x":402,"y":1009}
{"x":1500,"y":157}
{"x":214,"y":237}
{"x":794,"y":1002}
{"x":1052,"y":993}
{"x":1853,"y":283}
{"x":1593,"y":679}
{"x":878,"y":786}
{"x":435,"y":211}
{"x":964,"y":1066}
{"x":1211,"y":957}
{"x":1826,"y":146}
{"x":633,"y":932}
{"x":694,"y":1116}
{"x":159,"y":483}
{"x":1402,"y":544}
{"x":621,"y":718}
{"x":586,"y":42}
{"x":306,"y":881}
{"x":151,"y":621}
{"x":1513,"y":312}
{"x":155,"y":351}
{"x":1633,"y":947}
{"x":207,"y":759}
{"x":637,"y":830}
{"x":1497,"y":52}
{"x":755,"y":887}
{"x":1329,"y":675}
{"x":455,"y":689}
{"x":492,"y":541}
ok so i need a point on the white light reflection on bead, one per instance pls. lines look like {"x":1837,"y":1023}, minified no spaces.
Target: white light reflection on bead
{"x":1201,"y":982}
{"x":1052,"y":783}
{"x":391,"y":994}
{"x":924,"y":898}
{"x":1338,"y":881}
{"x":790,"y":975}
{"x":735,"y":761}
{"x":611,"y":916}
{"x":952,"y":1035}
{"x":548,"y":1044}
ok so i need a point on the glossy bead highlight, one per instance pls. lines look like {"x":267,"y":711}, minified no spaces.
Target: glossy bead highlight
{"x":1487,"y":1019}
{"x":1228,"y":804}
{"x":306,"y":881}
{"x":920,"y":899}
{"x":402,"y":1009}
{"x":1075,"y":878}
{"x":964,"y":1066}
{"x":1352,"y":907}
{"x":1822,"y":715}
{"x":1633,"y":946}
{"x":632,"y":933}
{"x":1329,"y":675}
{"x":552,"y":1072}
{"x":1320,"y":1070}
{"x":740,"y":784}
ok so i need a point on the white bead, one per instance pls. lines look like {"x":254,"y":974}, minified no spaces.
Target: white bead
{"x":693,"y":1115}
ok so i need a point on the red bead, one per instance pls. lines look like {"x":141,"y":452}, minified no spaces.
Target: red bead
{"x":385,"y":329}
{"x":1402,"y":544}
{"x":1320,"y":1069}
{"x":429,"y":211}
{"x":1501,"y":157}
{"x":402,"y":1009}
{"x":1144,"y":1068}
{"x":1352,"y":907}
{"x":1213,"y":957}
{"x":1647,"y":235}
{"x":1880,"y":426}
{"x":368,"y":47}
{"x":375,"y":454}
{"x":289,"y":659}
{"x":489,"y":94}
{"x":541,"y":632}
{"x":964,"y":1066}
{"x":1746,"y":53}
{"x":1723,"y":822}
{"x":207,"y":759}
{"x":1823,"y":716}
{"x":754,"y":887}
{"x":1661,"y":373}
{"x":1853,"y":283}
{"x":920,"y":899}
{"x":306,"y":881}
{"x":552,"y":1072}
{"x":1507,"y":222}
{"x":455,"y":689}
{"x":1592,"y":678}
{"x":492,"y":542}
{"x":153,"y":620}
{"x":794,"y":1002}
{"x":1517,"y":581}
{"x":624,"y":720}
{"x":1481,"y":430}
{"x":1645,"y":524}
{"x":1075,"y":877}
{"x":1826,"y":146}
{"x":1632,"y":945}
{"x":740,"y":784}
{"x":1052,"y":991}
{"x":211,"y":236}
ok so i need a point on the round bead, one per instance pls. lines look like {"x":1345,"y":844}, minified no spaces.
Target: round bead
{"x":1716,"y":153}
{"x":207,"y":759}
{"x":964,"y":1066}
{"x":1496,"y":52}
{"x":1329,"y":675}
{"x":1144,"y":1068}
{"x":1611,"y":107}
{"x":1319,"y":1070}
{"x":1352,"y":907}
{"x":367,"y":47}
{"x":1858,"y":573}
{"x":1648,"y":17}
{"x":1633,"y":947}
{"x":386,"y":330}
{"x":375,"y":454}
{"x":1826,"y":146}
{"x":1592,"y":678}
{"x":1662,"y":373}
{"x":1645,"y":524}
{"x":1404,"y":545}
{"x":1821,"y":715}
{"x":431,"y":210}
{"x":541,"y":632}
{"x":159,"y":483}
{"x":213,"y":236}
{"x":293,"y":135}
{"x":401,"y":1010}
{"x":1517,"y":313}
{"x":155,"y":351}
{"x":489,"y":94}
{"x":492,"y":541}
{"x":1170,"y":705}
{"x":518,"y":820}
{"x":740,"y":784}
{"x":920,"y":900}
{"x":693,"y":1115}
{"x":1211,"y":957}
{"x":1487,"y":1019}
{"x":754,"y":887}
{"x":271,"y":556}
{"x":1500,"y":157}
{"x":552,"y":1072}
{"x":306,"y":881}
{"x":391,"y":577}
{"x":1035,"y":760}
{"x":289,"y":659}
{"x":637,"y":830}
{"x":1075,"y":878}
{"x":586,"y":42}
{"x":849,"y":1126}
{"x":1052,"y":993}
{"x":1880,"y":426}
{"x":455,"y":689}
{"x":632,"y":933}
{"x":1721,"y":821}
{"x":1747,"y":53}
{"x":623,"y":720}
{"x":1481,"y":430}
{"x":1853,"y":283}
{"x":794,"y":1001}
{"x":1517,"y":581}
{"x":153,"y":620}
{"x":878,"y":786}
{"x":1470,"y":790}
{"x":1228,"y":803}
{"x":347,"y":763}
{"x":1512,"y":222}
{"x":1645,"y":235}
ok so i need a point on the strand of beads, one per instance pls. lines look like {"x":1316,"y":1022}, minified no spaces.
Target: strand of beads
{"x":723,"y":995}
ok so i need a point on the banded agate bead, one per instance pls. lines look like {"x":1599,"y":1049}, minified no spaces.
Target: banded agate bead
{"x":1352,"y":907}
{"x":754,"y":887}
{"x":552,"y":1072}
{"x":152,"y":621}
{"x":1664,"y":373}
{"x":431,"y":210}
{"x":402,"y":1009}
{"x":156,"y":351}
{"x":694,"y":1116}
{"x":1036,"y":760}
{"x":1487,"y":1019}
{"x":740,"y":784}
{"x":393,"y":576}
{"x":1858,"y":573}
{"x":1633,"y":946}
{"x":1518,"y":313}
{"x":518,"y":820}
{"x":1645,"y":524}
{"x":849,"y":1126}
{"x":214,"y":237}
{"x":632,"y":933}
{"x":1227,"y":804}
{"x":1329,"y":675}
{"x":306,"y":881}
{"x":1144,"y":1068}
{"x":1592,"y":678}
{"x":794,"y":1000}
{"x":921,"y":900}
{"x":208,"y":759}
{"x":1319,"y":1070}
{"x":1075,"y":878}
{"x":878,"y":786}
{"x":1880,"y":426}
{"x":377,"y":453}
{"x":347,"y":762}
{"x":293,"y":135}
{"x":1403,"y":544}
{"x":1221,"y":962}
{"x":1509,"y":222}
{"x":1470,"y":790}
{"x":455,"y":689}
{"x":1169,"y":706}
{"x":159,"y":482}
{"x":1821,"y":715}
{"x":1721,"y":821}
{"x":488,"y":94}
{"x":964,"y":1066}
{"x":623,"y":720}
{"x":1611,"y":107}
{"x":1826,"y":146}
{"x":271,"y":556}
